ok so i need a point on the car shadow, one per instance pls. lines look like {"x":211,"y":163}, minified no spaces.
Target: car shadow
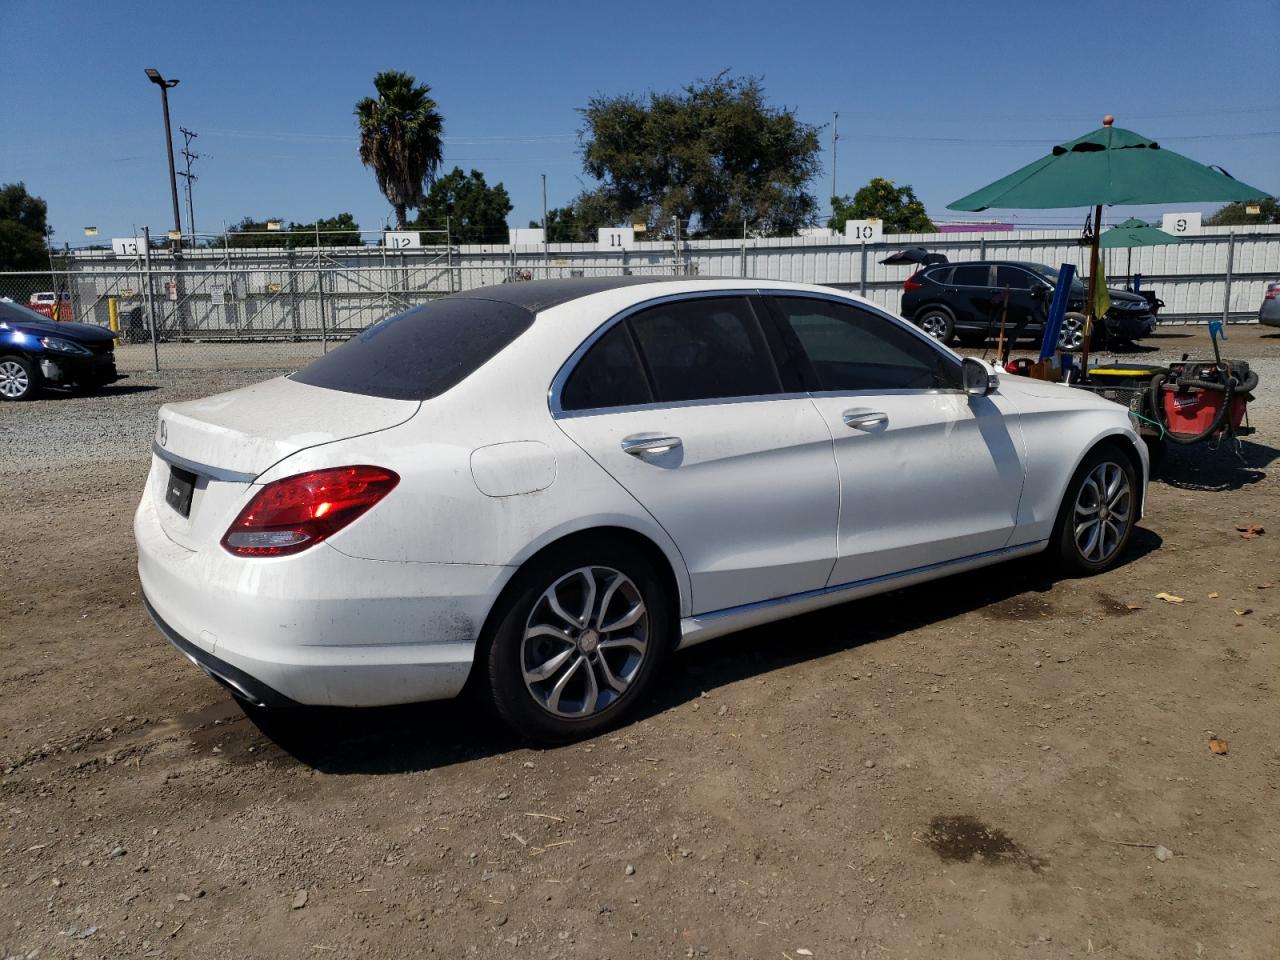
{"x":1131,"y":349}
{"x":104,"y":393}
{"x":427,"y":736}
{"x":1200,"y":467}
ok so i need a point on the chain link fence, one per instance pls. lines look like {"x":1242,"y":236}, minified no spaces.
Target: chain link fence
{"x":277,"y":309}
{"x":228,"y":316}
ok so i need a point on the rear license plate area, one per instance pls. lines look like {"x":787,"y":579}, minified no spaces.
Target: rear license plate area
{"x":182,"y":486}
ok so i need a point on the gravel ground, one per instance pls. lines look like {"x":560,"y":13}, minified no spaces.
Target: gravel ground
{"x":995,"y":765}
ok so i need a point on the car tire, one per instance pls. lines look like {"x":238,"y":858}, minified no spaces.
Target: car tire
{"x":1087,"y":538}
{"x":553,"y":676}
{"x":938,"y":322}
{"x":20,"y":379}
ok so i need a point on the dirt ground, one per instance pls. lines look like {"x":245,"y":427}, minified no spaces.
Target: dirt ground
{"x":987,"y":766}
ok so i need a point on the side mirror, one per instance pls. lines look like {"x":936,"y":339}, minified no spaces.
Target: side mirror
{"x":977,"y":377}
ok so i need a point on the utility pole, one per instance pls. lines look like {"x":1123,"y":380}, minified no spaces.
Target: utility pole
{"x":835,"y":139}
{"x":546,"y":252}
{"x":190,"y":178}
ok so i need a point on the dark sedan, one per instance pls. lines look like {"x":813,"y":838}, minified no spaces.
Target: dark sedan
{"x":966,"y":301}
{"x":36,"y":352}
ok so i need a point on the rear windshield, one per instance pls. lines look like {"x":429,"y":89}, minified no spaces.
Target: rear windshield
{"x":421,"y":353}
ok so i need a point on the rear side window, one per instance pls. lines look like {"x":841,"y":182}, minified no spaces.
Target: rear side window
{"x":705,"y":348}
{"x":939,"y":274}
{"x":421,"y":353}
{"x":854,"y":349}
{"x":609,"y":375}
{"x":977,"y":275}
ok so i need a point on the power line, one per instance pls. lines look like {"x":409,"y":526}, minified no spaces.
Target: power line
{"x":188,"y":176}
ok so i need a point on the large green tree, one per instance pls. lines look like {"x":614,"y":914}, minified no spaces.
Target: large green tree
{"x":474,"y":211}
{"x":401,"y":138}
{"x":880,"y":199}
{"x":23,"y":230}
{"x":339,"y":231}
{"x":713,"y":154}
{"x":1237,"y":214}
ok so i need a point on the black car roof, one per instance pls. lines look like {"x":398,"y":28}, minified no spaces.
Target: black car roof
{"x":538,"y":295}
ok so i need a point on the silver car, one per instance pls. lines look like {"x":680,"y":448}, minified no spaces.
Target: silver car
{"x":1269,"y":312}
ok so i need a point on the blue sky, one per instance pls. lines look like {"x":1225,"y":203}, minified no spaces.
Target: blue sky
{"x":944,"y":96}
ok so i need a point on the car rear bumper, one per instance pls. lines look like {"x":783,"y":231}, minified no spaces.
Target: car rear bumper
{"x":320,"y":627}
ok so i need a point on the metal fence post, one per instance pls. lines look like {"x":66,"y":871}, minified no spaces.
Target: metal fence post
{"x":862,"y":271}
{"x":1231,"y":259}
{"x":324,"y":333}
{"x":151,"y":300}
{"x":744,"y":246}
{"x":982,"y":248}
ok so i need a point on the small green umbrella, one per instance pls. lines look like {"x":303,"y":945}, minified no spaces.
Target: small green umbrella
{"x":1135,"y":233}
{"x":1108,"y":166}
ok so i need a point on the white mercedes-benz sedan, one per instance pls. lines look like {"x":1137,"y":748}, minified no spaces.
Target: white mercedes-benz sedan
{"x":544,"y":488}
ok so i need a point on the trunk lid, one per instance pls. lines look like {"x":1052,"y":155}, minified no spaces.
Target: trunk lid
{"x":220,"y":444}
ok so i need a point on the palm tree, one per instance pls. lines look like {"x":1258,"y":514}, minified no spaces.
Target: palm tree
{"x":400,"y":138}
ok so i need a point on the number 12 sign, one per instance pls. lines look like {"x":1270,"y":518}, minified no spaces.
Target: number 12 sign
{"x":402,"y":239}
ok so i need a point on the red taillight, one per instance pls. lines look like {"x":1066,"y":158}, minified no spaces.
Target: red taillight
{"x":911,"y":283}
{"x":289,"y":515}
{"x":1273,"y":291}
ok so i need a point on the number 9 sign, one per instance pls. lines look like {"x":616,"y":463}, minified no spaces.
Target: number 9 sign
{"x":1181,"y":224}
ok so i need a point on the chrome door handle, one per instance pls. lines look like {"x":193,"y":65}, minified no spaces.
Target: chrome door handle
{"x":639,"y":446}
{"x":863,"y":419}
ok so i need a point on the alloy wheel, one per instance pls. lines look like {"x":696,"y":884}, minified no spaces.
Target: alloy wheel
{"x":14,"y":382}
{"x":1102,"y":509}
{"x":584,"y":642}
{"x":1071,"y":334}
{"x":935,"y":325}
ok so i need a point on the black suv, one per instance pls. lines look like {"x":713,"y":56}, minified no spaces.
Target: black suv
{"x":964,"y":300}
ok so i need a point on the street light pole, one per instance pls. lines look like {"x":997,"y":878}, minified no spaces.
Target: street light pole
{"x":154,"y":76}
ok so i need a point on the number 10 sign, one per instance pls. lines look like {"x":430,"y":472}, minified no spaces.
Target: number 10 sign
{"x":864,"y":231}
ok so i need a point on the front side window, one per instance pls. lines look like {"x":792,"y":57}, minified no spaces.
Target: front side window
{"x":1015,"y":278}
{"x":855,"y":349}
{"x":704,"y":348}
{"x":974,"y":275}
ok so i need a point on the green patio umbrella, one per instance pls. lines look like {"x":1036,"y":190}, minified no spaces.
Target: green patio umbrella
{"x":1135,"y":233}
{"x":1106,"y":167}
{"x":1103,"y":168}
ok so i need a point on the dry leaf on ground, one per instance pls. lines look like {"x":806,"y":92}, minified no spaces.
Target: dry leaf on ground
{"x":1169,"y":597}
{"x":1218,"y":745}
{"x":1252,"y":531}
